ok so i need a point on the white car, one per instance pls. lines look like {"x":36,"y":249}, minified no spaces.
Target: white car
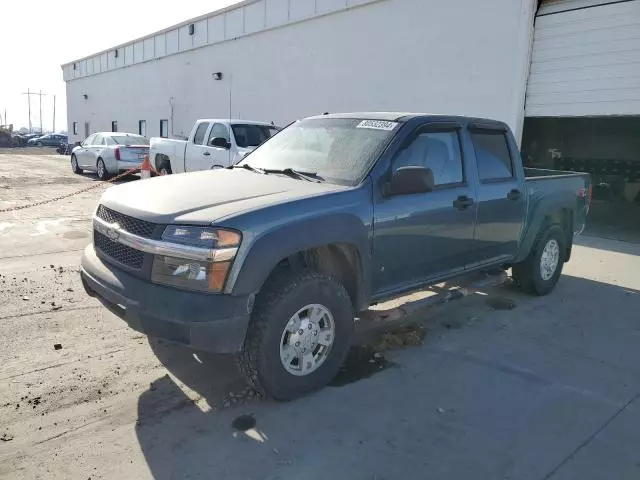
{"x":109,"y":153}
{"x":212,"y":143}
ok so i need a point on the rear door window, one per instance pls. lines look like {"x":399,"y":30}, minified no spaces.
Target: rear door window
{"x":492,"y":155}
{"x":201,"y":131}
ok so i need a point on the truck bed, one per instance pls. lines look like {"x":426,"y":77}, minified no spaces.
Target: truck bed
{"x":544,"y":186}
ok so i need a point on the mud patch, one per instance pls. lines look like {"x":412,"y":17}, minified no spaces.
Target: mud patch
{"x":501,"y":303}
{"x":361,"y":362}
{"x":243,"y":423}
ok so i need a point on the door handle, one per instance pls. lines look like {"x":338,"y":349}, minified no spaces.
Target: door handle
{"x":514,"y":194}
{"x":206,"y":154}
{"x":462,"y":202}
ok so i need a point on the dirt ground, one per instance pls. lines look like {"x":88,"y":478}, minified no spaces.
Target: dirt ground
{"x":502,"y":386}
{"x":28,"y":151}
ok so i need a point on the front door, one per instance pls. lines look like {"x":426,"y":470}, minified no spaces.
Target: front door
{"x":501,"y":199}
{"x":220,"y":157}
{"x":83,"y":153}
{"x":197,"y":154}
{"x":423,"y":236}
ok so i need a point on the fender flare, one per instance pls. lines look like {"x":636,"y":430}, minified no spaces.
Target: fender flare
{"x":259,"y":258}
{"x":545,"y":207}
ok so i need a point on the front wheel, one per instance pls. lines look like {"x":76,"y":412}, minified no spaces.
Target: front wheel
{"x":540,"y":271}
{"x":299,"y":335}
{"x":74,"y":165}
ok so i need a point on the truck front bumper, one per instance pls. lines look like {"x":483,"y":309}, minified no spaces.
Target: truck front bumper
{"x":212,"y":322}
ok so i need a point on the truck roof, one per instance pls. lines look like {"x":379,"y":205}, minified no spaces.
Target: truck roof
{"x":406,"y":116}
{"x":231,"y":121}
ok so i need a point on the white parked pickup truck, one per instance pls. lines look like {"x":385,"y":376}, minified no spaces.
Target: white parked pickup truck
{"x":212,"y":143}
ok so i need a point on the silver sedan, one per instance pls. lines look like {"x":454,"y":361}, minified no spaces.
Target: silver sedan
{"x":108,"y":153}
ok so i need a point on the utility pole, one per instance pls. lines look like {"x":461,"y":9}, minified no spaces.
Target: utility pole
{"x":41,"y":131}
{"x":54,"y":114}
{"x":28,"y":94}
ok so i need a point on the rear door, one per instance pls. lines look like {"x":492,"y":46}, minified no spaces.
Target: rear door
{"x":501,"y":196}
{"x":196,"y":153}
{"x":425,"y":235}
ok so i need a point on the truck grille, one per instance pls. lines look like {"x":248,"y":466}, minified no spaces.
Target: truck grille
{"x":130,"y":224}
{"x":121,"y":253}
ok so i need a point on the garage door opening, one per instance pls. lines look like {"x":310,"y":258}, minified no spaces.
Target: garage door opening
{"x":608,"y":148}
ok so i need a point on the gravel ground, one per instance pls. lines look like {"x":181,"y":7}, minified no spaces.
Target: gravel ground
{"x":501,"y":386}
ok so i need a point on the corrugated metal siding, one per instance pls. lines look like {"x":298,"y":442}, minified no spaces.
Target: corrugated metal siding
{"x":586,"y":61}
{"x":555,"y":6}
{"x":245,"y":18}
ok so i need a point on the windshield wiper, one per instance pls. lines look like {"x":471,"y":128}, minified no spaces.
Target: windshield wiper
{"x":308,"y":176}
{"x":246,"y":166}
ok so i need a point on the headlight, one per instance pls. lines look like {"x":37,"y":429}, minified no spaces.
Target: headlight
{"x":200,"y":275}
{"x":201,"y":236}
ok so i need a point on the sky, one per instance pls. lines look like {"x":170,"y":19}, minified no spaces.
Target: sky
{"x":38,"y":36}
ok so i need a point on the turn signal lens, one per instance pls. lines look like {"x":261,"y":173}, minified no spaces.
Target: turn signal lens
{"x":217,"y":275}
{"x":228,"y":238}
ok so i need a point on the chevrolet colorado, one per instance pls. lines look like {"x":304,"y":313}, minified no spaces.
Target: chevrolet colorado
{"x":271,"y":259}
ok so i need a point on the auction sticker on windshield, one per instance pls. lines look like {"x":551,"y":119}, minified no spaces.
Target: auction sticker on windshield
{"x":377,"y":125}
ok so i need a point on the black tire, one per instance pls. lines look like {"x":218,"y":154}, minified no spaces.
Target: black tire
{"x":284,"y":295}
{"x":74,"y":165}
{"x":165,"y":168}
{"x":102,"y":173}
{"x":527,"y":273}
{"x":39,"y":144}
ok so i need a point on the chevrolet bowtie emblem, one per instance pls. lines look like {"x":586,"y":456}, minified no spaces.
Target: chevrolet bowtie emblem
{"x":113,"y":232}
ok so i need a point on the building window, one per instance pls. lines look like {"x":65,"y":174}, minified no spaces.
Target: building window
{"x":75,"y":128}
{"x":87,"y":129}
{"x":142,"y":127}
{"x":164,"y":128}
{"x":114,"y":126}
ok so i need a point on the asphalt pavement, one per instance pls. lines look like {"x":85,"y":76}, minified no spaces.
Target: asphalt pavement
{"x":503,"y":385}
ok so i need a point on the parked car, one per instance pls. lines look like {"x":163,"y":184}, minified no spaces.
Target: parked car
{"x":212,"y":143}
{"x":272,"y":259}
{"x":108,"y":153}
{"x":50,"y":140}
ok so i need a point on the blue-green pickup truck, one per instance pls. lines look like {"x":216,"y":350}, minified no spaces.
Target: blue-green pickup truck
{"x":273,"y":258}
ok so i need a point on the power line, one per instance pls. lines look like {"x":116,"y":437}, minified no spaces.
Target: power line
{"x":39,"y":94}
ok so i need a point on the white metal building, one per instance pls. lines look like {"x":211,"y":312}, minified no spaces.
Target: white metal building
{"x":555,"y":68}
{"x":285,"y":59}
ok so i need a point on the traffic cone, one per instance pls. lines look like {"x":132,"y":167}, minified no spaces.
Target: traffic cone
{"x":145,"y":168}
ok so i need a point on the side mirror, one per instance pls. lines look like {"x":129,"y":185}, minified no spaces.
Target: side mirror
{"x":409,"y":180}
{"x":220,"y":142}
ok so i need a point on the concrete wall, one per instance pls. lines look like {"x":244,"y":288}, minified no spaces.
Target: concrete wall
{"x":463,"y":57}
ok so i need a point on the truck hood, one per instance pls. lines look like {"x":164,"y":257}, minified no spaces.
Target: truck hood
{"x":205,"y":197}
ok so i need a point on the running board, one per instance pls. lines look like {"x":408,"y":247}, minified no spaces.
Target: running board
{"x":440,"y":296}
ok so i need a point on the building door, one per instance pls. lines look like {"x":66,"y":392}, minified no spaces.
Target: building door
{"x":585,"y":59}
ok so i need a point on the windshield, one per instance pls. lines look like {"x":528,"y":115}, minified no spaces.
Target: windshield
{"x":248,"y":136}
{"x":338,"y":150}
{"x":129,"y":140}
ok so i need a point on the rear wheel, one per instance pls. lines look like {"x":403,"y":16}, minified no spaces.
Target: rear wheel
{"x":540,"y":271}
{"x":74,"y":165}
{"x":165,"y":168}
{"x":101,"y":170}
{"x":299,"y":335}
